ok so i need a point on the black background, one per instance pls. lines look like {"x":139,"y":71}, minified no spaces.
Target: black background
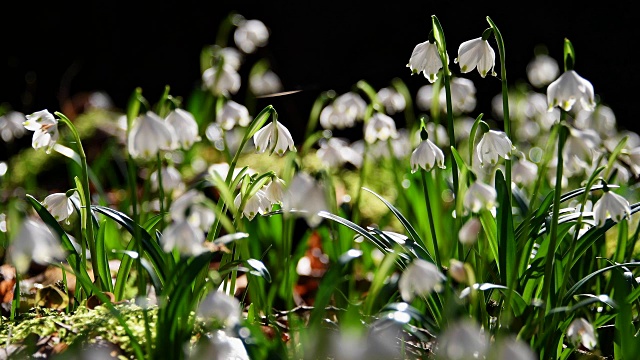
{"x":314,"y":46}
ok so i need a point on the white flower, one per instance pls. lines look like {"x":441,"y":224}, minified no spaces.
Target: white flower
{"x":463,"y":96}
{"x":380,"y":127}
{"x":524,"y":172}
{"x":494,"y":144}
{"x":602,"y":120}
{"x":191,"y":206}
{"x":457,"y":270}
{"x":274,"y":190}
{"x":476,"y":53}
{"x":232,"y":114}
{"x":251,"y":34}
{"x":171,"y":179}
{"x":257,"y":204}
{"x":426,"y":59}
{"x":335,"y":152}
{"x":569,"y":88}
{"x":222,"y":307}
{"x":634,"y":160}
{"x":149,"y":134}
{"x":331,"y":117}
{"x":479,"y":196}
{"x":468,"y":233}
{"x":352,"y":105}
{"x":420,"y":278}
{"x":267,"y":82}
{"x":426,"y":156}
{"x":45,"y":128}
{"x":581,"y":332}
{"x":225,"y":82}
{"x":511,"y":348}
{"x":184,"y":127}
{"x":305,"y":197}
{"x":231,"y":56}
{"x":59,"y":205}
{"x":219,"y":346}
{"x":185,"y":237}
{"x":275,"y":137}
{"x":392,"y":100}
{"x":11,"y":125}
{"x":611,"y":204}
{"x":462,"y":340}
{"x":34,"y":242}
{"x":542,"y":70}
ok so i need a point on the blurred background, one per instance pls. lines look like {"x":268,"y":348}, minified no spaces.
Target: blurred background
{"x":57,"y":51}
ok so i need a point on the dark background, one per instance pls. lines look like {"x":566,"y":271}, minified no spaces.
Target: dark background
{"x":314,"y":46}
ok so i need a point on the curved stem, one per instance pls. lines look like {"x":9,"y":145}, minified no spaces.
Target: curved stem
{"x":432,"y":224}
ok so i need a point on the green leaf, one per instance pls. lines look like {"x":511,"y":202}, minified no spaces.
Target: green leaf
{"x":506,"y":236}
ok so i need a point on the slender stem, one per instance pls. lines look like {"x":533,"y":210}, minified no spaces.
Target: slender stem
{"x":355,"y":216}
{"x":160,"y":191}
{"x":432,"y":224}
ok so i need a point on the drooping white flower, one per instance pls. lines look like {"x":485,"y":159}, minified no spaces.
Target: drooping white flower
{"x":275,"y":137}
{"x":274,"y":190}
{"x":478,"y":196}
{"x":463,"y":96}
{"x":634,"y":160}
{"x":331,"y":117}
{"x":426,"y":59}
{"x":232,"y":114}
{"x":380,"y":127}
{"x":611,"y":205}
{"x":524,"y":171}
{"x":420,"y":278}
{"x":257,"y":204}
{"x":219,"y":346}
{"x":494,"y":144}
{"x":352,"y":105}
{"x":34,"y":242}
{"x":569,"y":88}
{"x":602,"y":120}
{"x":457,"y":270}
{"x":225,"y":81}
{"x":171,"y":179}
{"x":222,"y":307}
{"x":581,"y":332}
{"x":185,"y":237}
{"x":231,"y":56}
{"x":45,"y":128}
{"x":335,"y":152}
{"x":426,"y":156}
{"x":267,"y":82}
{"x":542,"y":70}
{"x":250,"y":35}
{"x":149,"y":134}
{"x":476,"y":53}
{"x":305,"y":197}
{"x":59,"y":205}
{"x":192,"y":206}
{"x":462,"y":340}
{"x":580,"y":148}
{"x":184,"y":127}
{"x":392,"y":100}
{"x":11,"y":126}
{"x":468,"y":233}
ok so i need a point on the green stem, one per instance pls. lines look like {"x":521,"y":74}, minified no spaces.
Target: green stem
{"x":160,"y":191}
{"x":432,"y":224}
{"x":356,"y":204}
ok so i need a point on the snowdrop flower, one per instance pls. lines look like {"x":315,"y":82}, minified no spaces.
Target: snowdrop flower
{"x":569,"y":88}
{"x":45,"y":128}
{"x":479,"y":196}
{"x":542,"y":70}
{"x":494,"y":144}
{"x":462,"y":340}
{"x":250,"y":35}
{"x":224,"y":81}
{"x":579,"y":150}
{"x":426,"y":59}
{"x":274,"y":190}
{"x":275,"y":137}
{"x":191,"y":206}
{"x":184,"y":127}
{"x":511,"y":348}
{"x":476,"y":53}
{"x":463,"y":96}
{"x":524,"y":171}
{"x":613,"y":205}
{"x":380,"y":127}
{"x":149,"y":134}
{"x":171,"y":179}
{"x":331,"y":117}
{"x":222,"y":307}
{"x":634,"y":160}
{"x":11,"y":125}
{"x":219,"y":346}
{"x":392,"y":100}
{"x":231,"y":56}
{"x":581,"y":332}
{"x":420,"y":278}
{"x":468,"y":233}
{"x":602,"y":120}
{"x":185,"y":237}
{"x":457,"y":270}
{"x":232,"y":114}
{"x":59,"y":205}
{"x":265,"y":83}
{"x":305,"y":197}
{"x":426,"y":156}
{"x":352,"y":105}
{"x":257,"y":204}
{"x":34,"y":242}
{"x":335,"y":152}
